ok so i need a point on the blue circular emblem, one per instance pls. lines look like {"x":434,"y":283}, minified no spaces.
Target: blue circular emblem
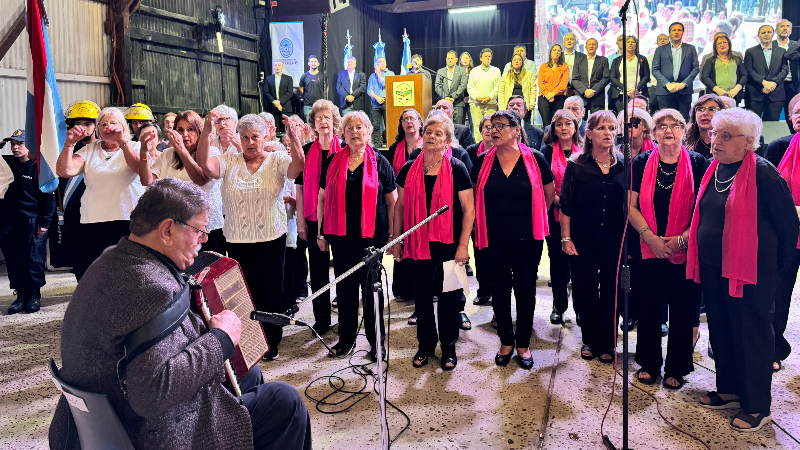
{"x":286,"y":48}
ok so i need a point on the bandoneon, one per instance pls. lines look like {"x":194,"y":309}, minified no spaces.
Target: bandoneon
{"x":219,"y":284}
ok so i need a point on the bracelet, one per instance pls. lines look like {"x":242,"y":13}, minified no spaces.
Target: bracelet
{"x":320,"y":238}
{"x":566,"y":239}
{"x":643,"y":229}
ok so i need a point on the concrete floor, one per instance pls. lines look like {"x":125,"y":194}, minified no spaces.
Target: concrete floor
{"x":558,"y":405}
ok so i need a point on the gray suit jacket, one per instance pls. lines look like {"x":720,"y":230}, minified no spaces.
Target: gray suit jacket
{"x":458,"y":84}
{"x":663,"y":64}
{"x":175,"y":399}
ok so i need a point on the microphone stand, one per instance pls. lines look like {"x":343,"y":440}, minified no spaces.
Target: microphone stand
{"x":374,"y":264}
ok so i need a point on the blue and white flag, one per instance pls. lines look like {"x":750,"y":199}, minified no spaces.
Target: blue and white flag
{"x":45,"y":127}
{"x":348,"y":50}
{"x":379,"y":53}
{"x":286,"y":39}
{"x":405,"y":64}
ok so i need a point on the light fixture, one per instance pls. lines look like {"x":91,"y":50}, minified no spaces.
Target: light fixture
{"x":472,"y":9}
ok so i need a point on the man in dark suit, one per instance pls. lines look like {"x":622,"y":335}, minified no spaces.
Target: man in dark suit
{"x":766,"y":72}
{"x":462,"y":132}
{"x":173,"y":394}
{"x":792,"y":80}
{"x":280,"y":90}
{"x":535,"y":135}
{"x":590,"y":77}
{"x":351,"y":86}
{"x":675,"y":66}
{"x":573,"y":58}
{"x":451,"y":84}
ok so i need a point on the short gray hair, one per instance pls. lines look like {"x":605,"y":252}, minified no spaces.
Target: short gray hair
{"x":269,"y":118}
{"x":252,"y":122}
{"x":436,"y":116}
{"x":747,"y":122}
{"x":360,"y":115}
{"x":167,"y":198}
{"x":576,"y":98}
{"x":117,"y":114}
{"x":225,"y":109}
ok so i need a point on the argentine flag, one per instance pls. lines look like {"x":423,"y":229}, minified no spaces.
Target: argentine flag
{"x":45,"y":127}
{"x":379,"y":51}
{"x":405,"y":65}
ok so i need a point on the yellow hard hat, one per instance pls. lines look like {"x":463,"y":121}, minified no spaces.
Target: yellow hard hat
{"x":139,"y":111}
{"x":84,"y":109}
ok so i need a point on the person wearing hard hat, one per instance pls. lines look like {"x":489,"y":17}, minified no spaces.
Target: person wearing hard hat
{"x":81,"y":114}
{"x":137,"y":116}
{"x":25,"y":215}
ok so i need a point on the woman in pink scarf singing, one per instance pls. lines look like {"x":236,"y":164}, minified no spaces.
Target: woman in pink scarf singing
{"x":561,"y":141}
{"x":431,"y":181}
{"x":743,"y":233}
{"x":513,"y":191}
{"x":662,"y":198}
{"x":356,"y":191}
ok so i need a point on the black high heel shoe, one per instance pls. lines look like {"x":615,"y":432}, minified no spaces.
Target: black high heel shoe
{"x":503,"y":360}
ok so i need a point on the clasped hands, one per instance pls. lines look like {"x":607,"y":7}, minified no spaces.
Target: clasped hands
{"x":675,"y":87}
{"x":769,"y":86}
{"x":662,"y":247}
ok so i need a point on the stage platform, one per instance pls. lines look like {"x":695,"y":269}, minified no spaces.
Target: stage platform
{"x":557,"y":405}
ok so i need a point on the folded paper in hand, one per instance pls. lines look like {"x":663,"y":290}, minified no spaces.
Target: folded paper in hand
{"x":455,"y":277}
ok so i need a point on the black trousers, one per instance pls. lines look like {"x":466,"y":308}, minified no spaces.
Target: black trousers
{"x":612,"y":105}
{"x":290,"y":274}
{"x":514,"y":266}
{"x":319,"y":267}
{"x":664,"y":281}
{"x":559,"y":267}
{"x":789,"y":89}
{"x":482,"y":269}
{"x":741,"y":334}
{"x":428,"y":276}
{"x":101,"y":235}
{"x":769,"y":111}
{"x":680,"y":102}
{"x":653,"y":99}
{"x":348,"y":252}
{"x":216,"y":242}
{"x":783,"y":299}
{"x":301,"y":268}
{"x":377,"y":117}
{"x":25,"y":254}
{"x":262,"y":265}
{"x":278,"y":415}
{"x":594,"y":279}
{"x":636,"y":293}
{"x":402,"y":280}
{"x":548,"y":108}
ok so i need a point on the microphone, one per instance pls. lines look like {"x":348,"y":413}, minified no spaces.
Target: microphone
{"x":275,"y":319}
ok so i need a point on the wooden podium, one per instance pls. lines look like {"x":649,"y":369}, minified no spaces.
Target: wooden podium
{"x":404,"y":92}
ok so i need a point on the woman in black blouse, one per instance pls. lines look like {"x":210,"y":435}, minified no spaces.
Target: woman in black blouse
{"x":561,"y":141}
{"x":425,"y":185}
{"x":636,"y":84}
{"x":662,"y":197}
{"x":513,"y":191}
{"x":697,"y":138}
{"x":325,"y":120}
{"x":591,"y":232}
{"x":346,"y":176}
{"x":409,"y":137}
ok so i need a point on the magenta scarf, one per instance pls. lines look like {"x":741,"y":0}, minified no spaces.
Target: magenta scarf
{"x":415,"y":210}
{"x":311,"y":176}
{"x":789,"y":169}
{"x":335,"y":199}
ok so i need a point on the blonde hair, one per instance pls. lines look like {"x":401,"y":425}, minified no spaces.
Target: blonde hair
{"x":325,"y":105}
{"x":360,"y":115}
{"x":120,"y":116}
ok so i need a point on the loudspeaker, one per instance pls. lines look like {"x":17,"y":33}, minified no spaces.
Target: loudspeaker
{"x":298,"y":8}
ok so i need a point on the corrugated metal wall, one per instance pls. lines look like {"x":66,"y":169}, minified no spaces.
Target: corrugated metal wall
{"x":80,"y":51}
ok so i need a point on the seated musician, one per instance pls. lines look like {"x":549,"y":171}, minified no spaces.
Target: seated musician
{"x":174,"y":398}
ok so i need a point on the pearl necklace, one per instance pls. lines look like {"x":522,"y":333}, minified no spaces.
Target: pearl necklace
{"x":716,"y":180}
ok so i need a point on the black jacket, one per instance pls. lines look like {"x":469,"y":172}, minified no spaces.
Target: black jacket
{"x":757,"y":71}
{"x":24,"y":199}
{"x":597,"y":80}
{"x":464,"y":135}
{"x":708,"y":75}
{"x":615,"y":73}
{"x":284,"y":94}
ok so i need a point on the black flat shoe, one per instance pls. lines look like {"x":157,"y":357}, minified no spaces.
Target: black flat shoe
{"x":648,"y":381}
{"x":338,"y":350}
{"x":503,"y":360}
{"x":590,"y":356}
{"x":412,"y":320}
{"x":556,"y":318}
{"x":466,"y":325}
{"x":630,"y":326}
{"x":321,"y":328}
{"x":271,"y":355}
{"x":449,"y":360}
{"x":481,"y":300}
{"x":17,"y":306}
{"x":680,"y":381}
{"x":525,"y":363}
{"x":33,"y":305}
{"x":420,"y":360}
{"x":606,"y":360}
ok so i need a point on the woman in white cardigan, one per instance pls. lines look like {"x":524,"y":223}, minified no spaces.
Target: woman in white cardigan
{"x":516,"y":81}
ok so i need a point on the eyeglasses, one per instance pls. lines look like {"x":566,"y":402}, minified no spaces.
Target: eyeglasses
{"x":497,"y":126}
{"x":408,"y":119}
{"x":322,"y":118}
{"x":711,"y":109}
{"x":676,"y":127}
{"x":357,"y":129}
{"x":724,"y":136}
{"x":194,"y":228}
{"x":107,"y":124}
{"x":221,"y":120}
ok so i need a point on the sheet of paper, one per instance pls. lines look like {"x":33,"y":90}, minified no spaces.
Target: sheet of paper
{"x":455,"y":277}
{"x":76,"y":401}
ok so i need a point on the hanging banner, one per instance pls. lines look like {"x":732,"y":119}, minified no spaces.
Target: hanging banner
{"x":287,"y":47}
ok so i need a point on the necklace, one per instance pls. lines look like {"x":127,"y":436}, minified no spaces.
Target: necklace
{"x":425,"y":169}
{"x":603,"y":164}
{"x":716,"y":180}
{"x":660,"y":169}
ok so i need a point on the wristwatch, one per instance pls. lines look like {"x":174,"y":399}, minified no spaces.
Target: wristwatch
{"x":320,"y":238}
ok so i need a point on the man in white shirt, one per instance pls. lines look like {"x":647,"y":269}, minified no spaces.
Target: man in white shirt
{"x":573,"y":58}
{"x":482,"y":88}
{"x":527,"y":64}
{"x":351,"y":86}
{"x":590,"y":77}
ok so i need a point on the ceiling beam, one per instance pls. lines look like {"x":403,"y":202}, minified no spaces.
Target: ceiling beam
{"x":7,"y":40}
{"x":402,"y":6}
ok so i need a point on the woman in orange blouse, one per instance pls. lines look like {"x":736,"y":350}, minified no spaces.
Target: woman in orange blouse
{"x":552,"y":83}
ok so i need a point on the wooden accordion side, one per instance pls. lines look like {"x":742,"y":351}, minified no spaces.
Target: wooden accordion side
{"x":223,"y":287}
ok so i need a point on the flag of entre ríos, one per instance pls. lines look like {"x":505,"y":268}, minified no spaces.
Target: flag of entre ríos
{"x":405,"y":65}
{"x":45,"y":127}
{"x":378,"y":46}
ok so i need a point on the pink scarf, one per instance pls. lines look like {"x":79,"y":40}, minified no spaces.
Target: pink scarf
{"x":681,"y":201}
{"x":790,"y":170}
{"x":539,"y":206}
{"x":648,"y":144}
{"x":558,"y":164}
{"x":481,"y":149}
{"x":439,"y":229}
{"x":400,"y":155}
{"x":311,"y":176}
{"x":335,"y":186}
{"x":739,"y":236}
